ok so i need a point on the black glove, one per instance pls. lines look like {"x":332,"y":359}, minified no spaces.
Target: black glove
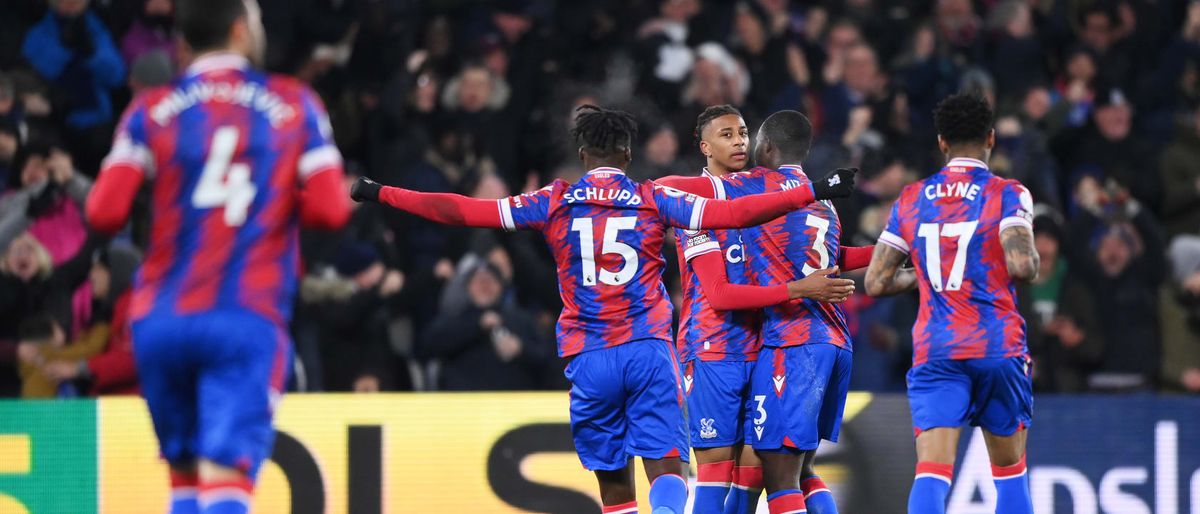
{"x":838,"y":184}
{"x":365,"y":190}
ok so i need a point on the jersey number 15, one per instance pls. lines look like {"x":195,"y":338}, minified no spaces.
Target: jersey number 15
{"x":587,"y":250}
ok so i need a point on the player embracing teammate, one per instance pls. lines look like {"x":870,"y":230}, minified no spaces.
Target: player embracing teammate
{"x":969,"y":235}
{"x":606,"y":233}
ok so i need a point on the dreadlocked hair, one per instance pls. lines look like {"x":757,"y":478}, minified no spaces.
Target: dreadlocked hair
{"x":710,"y":114}
{"x":603,"y":132}
{"x":963,"y":118}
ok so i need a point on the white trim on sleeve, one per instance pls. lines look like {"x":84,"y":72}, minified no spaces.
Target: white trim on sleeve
{"x":506,"y":217}
{"x":894,"y":241}
{"x":1015,"y":221}
{"x":697,"y":214}
{"x":718,"y":187}
{"x":701,"y":249}
{"x":317,"y":159}
{"x":126,"y":151}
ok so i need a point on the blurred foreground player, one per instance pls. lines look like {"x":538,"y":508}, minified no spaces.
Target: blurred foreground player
{"x":970,"y":236}
{"x":606,"y":233}
{"x":718,"y":339}
{"x":237,"y":160}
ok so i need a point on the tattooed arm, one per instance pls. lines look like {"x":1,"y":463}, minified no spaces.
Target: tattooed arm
{"x":885,"y":276}
{"x":1019,"y":253}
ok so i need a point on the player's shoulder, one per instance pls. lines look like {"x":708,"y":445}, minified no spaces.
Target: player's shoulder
{"x":287,"y":87}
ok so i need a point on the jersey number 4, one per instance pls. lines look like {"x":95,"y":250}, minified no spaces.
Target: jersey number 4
{"x":224,"y":182}
{"x":587,"y":250}
{"x":933,"y":234}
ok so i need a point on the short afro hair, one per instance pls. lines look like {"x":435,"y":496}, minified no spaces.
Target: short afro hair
{"x":789,"y":131}
{"x":963,"y":118}
{"x":604,"y":132}
{"x":710,"y":114}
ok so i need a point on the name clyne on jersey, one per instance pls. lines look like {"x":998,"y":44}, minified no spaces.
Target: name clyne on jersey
{"x":584,"y":194}
{"x":957,"y":189}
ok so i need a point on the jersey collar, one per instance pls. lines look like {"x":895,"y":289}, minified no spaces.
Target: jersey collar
{"x":965,"y":162}
{"x":606,"y":169}
{"x":216,"y":62}
{"x":794,"y":167}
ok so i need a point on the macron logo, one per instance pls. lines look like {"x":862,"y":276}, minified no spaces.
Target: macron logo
{"x":758,"y":432}
{"x":687,"y":384}
{"x":835,"y":180}
{"x":779,"y":384}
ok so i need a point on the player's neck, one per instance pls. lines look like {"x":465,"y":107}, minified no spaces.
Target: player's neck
{"x":978,"y":153}
{"x":717,"y":170}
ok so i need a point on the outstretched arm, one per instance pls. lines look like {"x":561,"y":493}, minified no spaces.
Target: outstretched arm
{"x":701,"y":186}
{"x":885,"y":276}
{"x":450,"y":209}
{"x":1019,"y":253}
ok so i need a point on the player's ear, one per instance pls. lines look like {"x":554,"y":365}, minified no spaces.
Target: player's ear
{"x":582,"y":155}
{"x":991,"y":139}
{"x":628,"y":155}
{"x":704,"y":148}
{"x":942,"y":146}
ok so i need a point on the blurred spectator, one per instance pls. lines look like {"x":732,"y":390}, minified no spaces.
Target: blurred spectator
{"x":112,"y":370}
{"x":1181,"y":179}
{"x":1180,"y":301}
{"x":660,"y":156}
{"x":348,"y":307}
{"x":1064,"y":333}
{"x":150,"y":32}
{"x":72,"y":49}
{"x":665,"y":58}
{"x":1103,"y":31}
{"x":1016,"y":55}
{"x":1107,"y":148}
{"x":1118,"y":250}
{"x":150,"y":69}
{"x":489,"y":344}
{"x":49,"y":203}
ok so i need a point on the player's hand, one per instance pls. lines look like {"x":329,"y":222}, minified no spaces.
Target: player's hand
{"x":821,"y":287}
{"x":365,"y":190}
{"x":838,"y":184}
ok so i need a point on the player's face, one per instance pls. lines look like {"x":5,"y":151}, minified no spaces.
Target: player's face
{"x":724,"y":143}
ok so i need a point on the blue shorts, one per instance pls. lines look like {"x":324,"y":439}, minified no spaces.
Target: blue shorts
{"x":797,"y":396}
{"x":627,"y":400}
{"x":716,"y":394}
{"x":211,"y":381}
{"x":995,"y":394}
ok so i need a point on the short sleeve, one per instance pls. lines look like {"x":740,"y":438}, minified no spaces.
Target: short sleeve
{"x":677,"y":208}
{"x":131,"y":145}
{"x":319,"y":153}
{"x":891,"y":231}
{"x":526,"y":211}
{"x":1016,"y":206}
{"x":696,"y":243}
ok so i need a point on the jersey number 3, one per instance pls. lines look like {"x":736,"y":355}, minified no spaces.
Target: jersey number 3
{"x":933,"y":234}
{"x":587,"y":250}
{"x":223,"y":182}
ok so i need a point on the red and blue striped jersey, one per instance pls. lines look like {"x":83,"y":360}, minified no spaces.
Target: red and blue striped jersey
{"x":790,"y":248}
{"x":706,"y":333}
{"x":606,"y":234}
{"x":950,"y":225}
{"x":227,"y":149}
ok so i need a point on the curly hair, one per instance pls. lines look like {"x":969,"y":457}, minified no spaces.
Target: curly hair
{"x":963,"y":118}
{"x":603,"y":132}
{"x":710,"y":114}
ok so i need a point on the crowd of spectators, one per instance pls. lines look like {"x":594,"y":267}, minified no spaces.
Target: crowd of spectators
{"x":1098,"y":113}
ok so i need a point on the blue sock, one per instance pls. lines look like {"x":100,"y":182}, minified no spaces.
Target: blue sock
{"x":184,"y":505}
{"x":817,"y":496}
{"x":747,"y":487}
{"x":930,"y":488}
{"x":229,"y":497}
{"x":1012,"y":489}
{"x":712,"y":486}
{"x":668,"y":494}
